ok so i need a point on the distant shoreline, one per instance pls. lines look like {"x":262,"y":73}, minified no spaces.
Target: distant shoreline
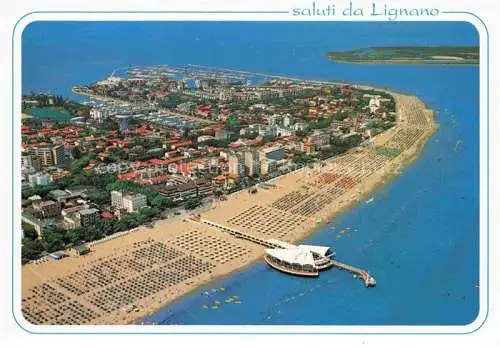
{"x":406,"y":62}
{"x":414,"y":55}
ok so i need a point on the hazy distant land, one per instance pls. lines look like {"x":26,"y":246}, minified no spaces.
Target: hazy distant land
{"x":409,"y":55}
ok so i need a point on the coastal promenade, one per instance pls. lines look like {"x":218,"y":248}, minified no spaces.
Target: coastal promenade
{"x":129,"y":277}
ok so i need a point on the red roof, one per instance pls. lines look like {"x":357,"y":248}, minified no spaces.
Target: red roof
{"x":139,"y":164}
{"x":158,"y":162}
{"x":107,"y":215}
{"x":182,"y":144}
{"x":154,"y":180}
{"x":128,"y":176}
{"x":204,"y":108}
{"x":173,"y":160}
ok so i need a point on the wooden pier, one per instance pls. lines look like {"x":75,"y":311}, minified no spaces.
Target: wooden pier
{"x":237,"y":233}
{"x":364,"y":275}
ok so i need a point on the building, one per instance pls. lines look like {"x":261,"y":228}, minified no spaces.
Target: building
{"x":58,"y":155}
{"x":97,"y":114}
{"x":123,"y":120}
{"x":38,"y":224}
{"x":88,"y":216}
{"x":319,"y":139}
{"x":274,"y":119}
{"x":117,"y":199}
{"x":39,"y":179}
{"x":179,"y":192}
{"x":49,"y":155}
{"x":299,"y":126}
{"x":186,"y":107}
{"x":62,"y":196}
{"x":296,"y":146}
{"x":187,"y":190}
{"x":204,"y":188}
{"x":236,"y":164}
{"x":133,"y":203}
{"x":287,"y":121}
{"x":267,"y":166}
{"x":59,"y":195}
{"x":275,"y":153}
{"x":35,"y":199}
{"x":374,"y":103}
{"x":308,"y":146}
{"x":44,"y":154}
{"x":221,"y":134}
{"x":30,"y":162}
{"x":305,"y":260}
{"x":71,"y":221}
{"x":81,"y":250}
{"x":46,"y":209}
{"x":267,"y":130}
{"x":284,"y":132}
{"x":252,"y":163}
{"x":129,"y":202}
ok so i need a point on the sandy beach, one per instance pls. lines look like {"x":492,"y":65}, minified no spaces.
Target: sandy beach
{"x":129,"y":277}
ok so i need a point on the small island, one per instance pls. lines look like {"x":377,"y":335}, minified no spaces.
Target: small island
{"x":409,"y":55}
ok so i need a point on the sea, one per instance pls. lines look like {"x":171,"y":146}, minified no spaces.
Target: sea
{"x":419,"y":236}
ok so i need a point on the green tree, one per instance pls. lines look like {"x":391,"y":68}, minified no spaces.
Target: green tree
{"x":76,"y":153}
{"x":100,"y":197}
{"x":31,"y":249}
{"x":52,"y":237}
{"x":106,"y":226}
{"x":192,"y":203}
{"x":75,"y":236}
{"x":29,"y":231}
{"x":159,"y":201}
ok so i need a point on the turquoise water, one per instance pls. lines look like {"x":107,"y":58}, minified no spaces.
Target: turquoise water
{"x":419,"y":236}
{"x":49,"y":113}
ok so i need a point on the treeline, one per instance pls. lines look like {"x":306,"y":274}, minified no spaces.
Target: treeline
{"x":44,"y":100}
{"x":55,"y":239}
{"x":103,"y":185}
{"x":216,"y":143}
{"x":172,"y":100}
{"x":77,"y":165}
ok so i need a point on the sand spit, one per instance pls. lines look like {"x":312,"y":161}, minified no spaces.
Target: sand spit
{"x":129,"y":277}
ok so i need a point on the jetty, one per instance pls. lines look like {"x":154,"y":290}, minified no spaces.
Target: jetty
{"x":363,"y":274}
{"x":236,"y":233}
{"x":320,"y":258}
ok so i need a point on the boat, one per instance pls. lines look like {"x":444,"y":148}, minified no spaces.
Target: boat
{"x":369,"y":200}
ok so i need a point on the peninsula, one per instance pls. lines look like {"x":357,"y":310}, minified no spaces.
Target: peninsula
{"x":276,"y":160}
{"x":409,"y":55}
